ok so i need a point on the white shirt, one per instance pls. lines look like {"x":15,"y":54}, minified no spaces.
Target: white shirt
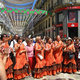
{"x":13,"y":44}
{"x":24,"y":42}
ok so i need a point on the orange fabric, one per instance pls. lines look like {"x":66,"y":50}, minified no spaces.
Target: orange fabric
{"x":20,"y":58}
{"x":43,"y":74}
{"x":74,"y":70}
{"x":8,"y":63}
{"x":58,"y":53}
{"x":65,"y":69}
{"x":17,"y":77}
{"x":39,"y":63}
{"x":40,"y":75}
{"x":49,"y":55}
{"x":54,"y":72}
{"x":49,"y":73}
{"x":6,"y":45}
{"x":9,"y":76}
{"x":37,"y":75}
{"x":69,"y":70}
{"x":67,"y":60}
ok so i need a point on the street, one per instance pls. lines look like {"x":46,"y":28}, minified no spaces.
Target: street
{"x":61,"y":76}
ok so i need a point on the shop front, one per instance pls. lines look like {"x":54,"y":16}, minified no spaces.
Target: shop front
{"x":67,"y":22}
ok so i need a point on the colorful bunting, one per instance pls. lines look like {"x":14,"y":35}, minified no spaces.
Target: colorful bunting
{"x":28,"y":11}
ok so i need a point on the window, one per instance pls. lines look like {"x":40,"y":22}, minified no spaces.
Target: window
{"x":51,"y":3}
{"x":60,"y":18}
{"x":72,"y":16}
{"x":49,"y":33}
{"x":49,"y":6}
{"x":61,"y":32}
{"x":52,"y":19}
{"x":46,"y":7}
{"x":46,"y":33}
{"x":49,"y":22}
{"x":59,"y":2}
{"x":46,"y":23}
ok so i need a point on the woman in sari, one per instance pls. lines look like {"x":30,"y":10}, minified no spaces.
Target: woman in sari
{"x":21,"y":66}
{"x":69,"y":61}
{"x":39,"y":55}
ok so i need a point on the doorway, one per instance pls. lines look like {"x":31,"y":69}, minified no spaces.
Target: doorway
{"x":73,"y":32}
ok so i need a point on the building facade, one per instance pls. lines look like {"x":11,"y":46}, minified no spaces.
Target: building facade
{"x":44,"y":25}
{"x":63,"y":18}
{"x":67,"y":13}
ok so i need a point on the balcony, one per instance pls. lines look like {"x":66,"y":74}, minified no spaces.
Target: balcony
{"x":65,"y":3}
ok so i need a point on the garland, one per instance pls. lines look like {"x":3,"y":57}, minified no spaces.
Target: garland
{"x":25,"y":11}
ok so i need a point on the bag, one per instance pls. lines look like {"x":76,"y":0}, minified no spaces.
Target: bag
{"x":40,"y":56}
{"x":71,"y":55}
{"x":79,"y":55}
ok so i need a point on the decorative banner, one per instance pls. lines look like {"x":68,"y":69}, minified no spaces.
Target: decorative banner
{"x":26,"y":11}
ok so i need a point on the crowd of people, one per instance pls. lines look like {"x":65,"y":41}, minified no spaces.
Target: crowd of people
{"x":37,"y":57}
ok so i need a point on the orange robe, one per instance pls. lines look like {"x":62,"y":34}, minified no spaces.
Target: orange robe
{"x":21,"y":62}
{"x":9,"y":64}
{"x":68,"y":61}
{"x":39,"y":63}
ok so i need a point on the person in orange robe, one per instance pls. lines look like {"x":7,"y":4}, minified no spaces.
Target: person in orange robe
{"x":69,"y":60}
{"x":58,"y":53}
{"x":6,"y":57}
{"x":49,"y":56}
{"x":39,"y":55}
{"x":21,"y":66}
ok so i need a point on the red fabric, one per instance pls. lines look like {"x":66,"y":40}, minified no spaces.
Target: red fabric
{"x":32,"y":62}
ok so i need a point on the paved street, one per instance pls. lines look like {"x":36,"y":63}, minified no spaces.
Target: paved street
{"x":62,"y":76}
